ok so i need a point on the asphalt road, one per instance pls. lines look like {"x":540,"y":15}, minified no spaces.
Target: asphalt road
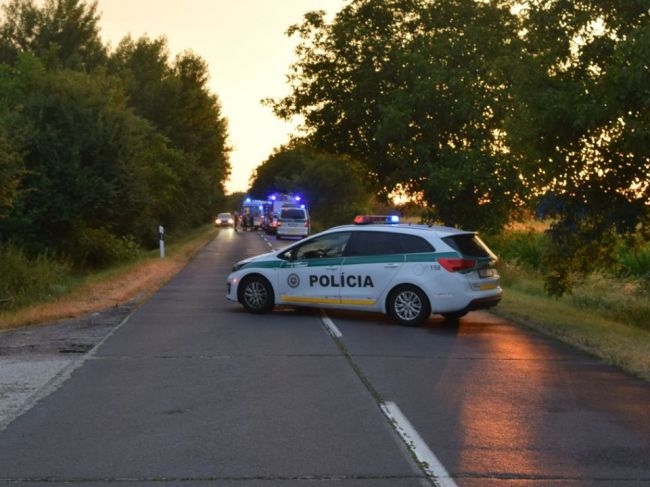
{"x":192,"y":390}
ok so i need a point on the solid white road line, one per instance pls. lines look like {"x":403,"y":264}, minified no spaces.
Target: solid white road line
{"x":329,"y":324}
{"x":432,"y":466}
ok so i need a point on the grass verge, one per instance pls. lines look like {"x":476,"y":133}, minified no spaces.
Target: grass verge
{"x":137,"y":279}
{"x":613,"y":340}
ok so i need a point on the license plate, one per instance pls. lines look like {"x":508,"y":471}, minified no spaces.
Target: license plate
{"x":293,"y":224}
{"x":487,"y":287}
{"x":487,"y":272}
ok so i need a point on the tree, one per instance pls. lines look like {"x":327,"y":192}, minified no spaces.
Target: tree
{"x":96,"y":152}
{"x":333,"y":186}
{"x":63,"y":33}
{"x":413,"y":90}
{"x":582,"y":120}
{"x":175,"y":98}
{"x":11,"y":171}
{"x":90,"y":163}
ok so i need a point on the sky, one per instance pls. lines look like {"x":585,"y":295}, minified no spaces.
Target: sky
{"x":248,"y":53}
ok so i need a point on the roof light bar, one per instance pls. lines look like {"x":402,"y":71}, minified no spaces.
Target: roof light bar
{"x":368,"y":219}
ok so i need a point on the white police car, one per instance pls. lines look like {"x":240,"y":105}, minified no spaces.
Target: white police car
{"x":407,"y":271}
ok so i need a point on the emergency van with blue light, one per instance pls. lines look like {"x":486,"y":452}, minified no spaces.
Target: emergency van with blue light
{"x":279,"y":203}
{"x":407,"y":271}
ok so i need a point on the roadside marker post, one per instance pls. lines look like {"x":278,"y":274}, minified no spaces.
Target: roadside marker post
{"x":161,"y":231}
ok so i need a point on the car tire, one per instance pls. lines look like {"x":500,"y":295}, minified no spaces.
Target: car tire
{"x":454,"y":316}
{"x":256,"y":295}
{"x":408,"y":305}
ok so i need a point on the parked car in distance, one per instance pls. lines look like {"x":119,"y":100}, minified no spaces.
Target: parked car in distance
{"x":224,"y":220}
{"x":293,"y":222}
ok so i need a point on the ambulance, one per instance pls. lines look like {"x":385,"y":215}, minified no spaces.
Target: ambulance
{"x":406,"y":271}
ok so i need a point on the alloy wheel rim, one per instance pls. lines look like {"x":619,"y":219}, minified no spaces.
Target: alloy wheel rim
{"x":255,"y":294}
{"x":408,"y":305}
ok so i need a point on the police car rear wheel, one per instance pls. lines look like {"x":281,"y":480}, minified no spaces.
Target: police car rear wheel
{"x":408,"y":305}
{"x":256,"y":295}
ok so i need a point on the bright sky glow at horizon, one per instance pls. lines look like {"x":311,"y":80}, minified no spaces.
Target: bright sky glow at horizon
{"x":247,"y":51}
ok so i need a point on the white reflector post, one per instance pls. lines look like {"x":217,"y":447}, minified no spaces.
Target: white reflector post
{"x":161,"y":231}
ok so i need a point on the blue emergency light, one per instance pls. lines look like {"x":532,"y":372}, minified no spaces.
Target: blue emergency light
{"x":367,"y":219}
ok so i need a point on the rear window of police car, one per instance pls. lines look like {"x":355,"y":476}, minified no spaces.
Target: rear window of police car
{"x":468,"y":244}
{"x":294,"y":214}
{"x":381,"y":243}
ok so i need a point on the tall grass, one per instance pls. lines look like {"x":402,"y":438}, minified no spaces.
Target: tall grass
{"x":25,"y":280}
{"x":621,"y":293}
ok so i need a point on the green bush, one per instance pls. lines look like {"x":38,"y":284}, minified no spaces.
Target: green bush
{"x":525,"y":248}
{"x":24,"y":280}
{"x":98,"y":248}
{"x":635,"y":262}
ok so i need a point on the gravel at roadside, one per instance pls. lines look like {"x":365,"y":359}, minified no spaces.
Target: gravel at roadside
{"x":33,"y":359}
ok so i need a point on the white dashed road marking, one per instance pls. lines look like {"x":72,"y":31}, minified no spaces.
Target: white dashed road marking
{"x":432,"y":467}
{"x":430,"y":463}
{"x":329,"y":324}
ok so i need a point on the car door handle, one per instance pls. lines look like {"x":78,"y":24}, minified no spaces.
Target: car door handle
{"x":331,"y":267}
{"x":391,"y":266}
{"x":299,"y":264}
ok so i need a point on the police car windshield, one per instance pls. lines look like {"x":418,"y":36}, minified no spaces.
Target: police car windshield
{"x":329,"y":245}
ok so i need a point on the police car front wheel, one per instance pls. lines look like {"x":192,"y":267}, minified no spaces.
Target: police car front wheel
{"x":256,"y":294}
{"x":408,"y":305}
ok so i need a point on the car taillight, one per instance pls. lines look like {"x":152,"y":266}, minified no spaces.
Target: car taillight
{"x":307,"y":223}
{"x":457,"y":265}
{"x":279,"y":224}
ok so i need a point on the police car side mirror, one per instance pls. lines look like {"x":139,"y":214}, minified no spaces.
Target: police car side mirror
{"x":288,"y":256}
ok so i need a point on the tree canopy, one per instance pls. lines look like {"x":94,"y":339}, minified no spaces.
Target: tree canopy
{"x":414,"y":90}
{"x":582,"y":96}
{"x":101,"y":144}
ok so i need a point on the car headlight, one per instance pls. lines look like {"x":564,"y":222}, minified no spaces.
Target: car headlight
{"x":238,"y":266}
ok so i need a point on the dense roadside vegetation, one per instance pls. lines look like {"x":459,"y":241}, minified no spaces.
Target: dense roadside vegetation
{"x":62,"y":295}
{"x":98,"y":147}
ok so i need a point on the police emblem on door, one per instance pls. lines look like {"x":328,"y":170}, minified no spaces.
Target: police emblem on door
{"x":293,"y":280}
